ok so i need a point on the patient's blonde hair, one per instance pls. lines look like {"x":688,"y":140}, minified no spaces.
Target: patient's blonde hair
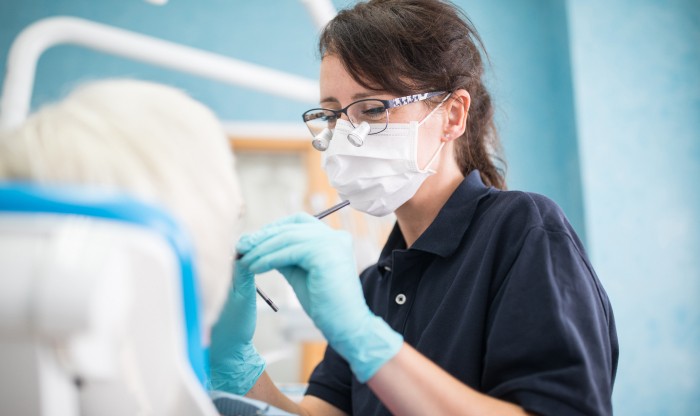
{"x":147,"y":139}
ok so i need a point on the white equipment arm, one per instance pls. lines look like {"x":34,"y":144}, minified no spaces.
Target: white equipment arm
{"x":31,"y":43}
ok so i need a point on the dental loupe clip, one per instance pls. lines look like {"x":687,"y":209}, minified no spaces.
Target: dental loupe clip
{"x":322,"y":140}
{"x":357,"y":137}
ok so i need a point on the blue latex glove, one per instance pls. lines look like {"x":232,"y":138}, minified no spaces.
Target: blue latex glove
{"x":234,"y":362}
{"x":318,"y":263}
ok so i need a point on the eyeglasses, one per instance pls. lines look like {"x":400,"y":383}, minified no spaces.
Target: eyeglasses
{"x":371,"y":110}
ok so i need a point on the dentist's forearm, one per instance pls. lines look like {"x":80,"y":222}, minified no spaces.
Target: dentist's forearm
{"x":411,"y":384}
{"x":265,"y":390}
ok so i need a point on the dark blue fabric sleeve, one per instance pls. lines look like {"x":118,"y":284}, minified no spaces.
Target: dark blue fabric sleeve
{"x":551,"y":345}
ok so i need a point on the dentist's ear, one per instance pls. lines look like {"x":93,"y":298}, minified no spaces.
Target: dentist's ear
{"x":457,"y":110}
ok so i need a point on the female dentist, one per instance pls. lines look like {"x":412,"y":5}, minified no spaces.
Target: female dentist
{"x":482,"y":301}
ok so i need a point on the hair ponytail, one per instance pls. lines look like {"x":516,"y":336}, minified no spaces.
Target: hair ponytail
{"x":479,"y":146}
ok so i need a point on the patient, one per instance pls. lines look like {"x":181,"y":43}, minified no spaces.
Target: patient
{"x":151,"y":141}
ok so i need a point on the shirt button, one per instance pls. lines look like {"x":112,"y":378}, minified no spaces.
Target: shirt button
{"x":387,"y":268}
{"x":400,"y":299}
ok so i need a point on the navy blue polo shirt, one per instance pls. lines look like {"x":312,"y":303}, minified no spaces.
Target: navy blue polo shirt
{"x":499,"y":292}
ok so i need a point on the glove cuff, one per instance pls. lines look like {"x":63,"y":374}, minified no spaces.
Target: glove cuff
{"x":238,"y":373}
{"x":369,"y":348}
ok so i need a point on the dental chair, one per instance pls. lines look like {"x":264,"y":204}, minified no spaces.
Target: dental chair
{"x":99,"y":313}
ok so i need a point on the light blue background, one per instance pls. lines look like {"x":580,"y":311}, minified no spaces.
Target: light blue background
{"x":598,"y":104}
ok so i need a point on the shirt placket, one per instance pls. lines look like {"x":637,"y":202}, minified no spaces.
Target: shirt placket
{"x":405,"y":274}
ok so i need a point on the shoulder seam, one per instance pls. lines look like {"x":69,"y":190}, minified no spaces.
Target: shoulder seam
{"x":582,"y":256}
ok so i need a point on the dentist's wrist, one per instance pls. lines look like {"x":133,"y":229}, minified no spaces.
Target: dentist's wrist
{"x":368,"y":347}
{"x":238,"y":372}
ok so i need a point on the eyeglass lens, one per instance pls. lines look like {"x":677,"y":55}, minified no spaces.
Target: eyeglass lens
{"x":371,"y":111}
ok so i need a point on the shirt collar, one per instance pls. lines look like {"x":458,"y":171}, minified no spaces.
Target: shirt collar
{"x":447,"y":229}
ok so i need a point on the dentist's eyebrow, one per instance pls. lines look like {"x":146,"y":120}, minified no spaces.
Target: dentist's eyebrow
{"x":330,"y":100}
{"x":358,"y":96}
{"x":361,"y":95}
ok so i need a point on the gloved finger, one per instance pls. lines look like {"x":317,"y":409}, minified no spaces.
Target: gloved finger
{"x":297,"y":280}
{"x":243,"y":279}
{"x":247,"y":241}
{"x":306,"y":242}
{"x":242,"y":290}
{"x":298,"y":218}
{"x":286,"y":256}
{"x":251,"y":241}
{"x":311,"y":254}
{"x":297,"y":253}
{"x":295,"y":276}
{"x":301,"y":232}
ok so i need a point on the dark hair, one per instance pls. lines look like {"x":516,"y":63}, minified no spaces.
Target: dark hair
{"x":413,"y":46}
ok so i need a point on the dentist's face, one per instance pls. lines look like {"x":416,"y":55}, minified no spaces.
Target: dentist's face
{"x":338,"y":89}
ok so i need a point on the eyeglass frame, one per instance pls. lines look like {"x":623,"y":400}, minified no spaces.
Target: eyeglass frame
{"x":392,"y":103}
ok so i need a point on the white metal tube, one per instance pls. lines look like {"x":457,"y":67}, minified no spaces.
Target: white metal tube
{"x":43,"y":34}
{"x":321,"y":11}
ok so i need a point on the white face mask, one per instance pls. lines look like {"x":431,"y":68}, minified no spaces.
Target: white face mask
{"x":382,"y":174}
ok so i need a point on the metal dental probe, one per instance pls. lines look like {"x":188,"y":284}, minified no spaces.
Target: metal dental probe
{"x":319,"y":216}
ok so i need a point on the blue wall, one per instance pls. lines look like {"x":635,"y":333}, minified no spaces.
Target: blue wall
{"x":598,"y":105}
{"x":637,"y":84}
{"x":527,"y":41}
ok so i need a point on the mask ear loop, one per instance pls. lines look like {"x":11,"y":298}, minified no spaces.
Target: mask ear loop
{"x":434,"y":109}
{"x":437,"y":152}
{"x":432,"y":159}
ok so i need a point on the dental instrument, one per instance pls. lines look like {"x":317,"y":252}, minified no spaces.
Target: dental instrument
{"x":319,"y":216}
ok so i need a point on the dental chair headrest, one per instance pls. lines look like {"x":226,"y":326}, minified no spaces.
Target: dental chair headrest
{"x":26,"y":198}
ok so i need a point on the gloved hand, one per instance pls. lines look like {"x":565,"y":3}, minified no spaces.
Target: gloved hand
{"x":234,"y":362}
{"x":318,"y":263}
